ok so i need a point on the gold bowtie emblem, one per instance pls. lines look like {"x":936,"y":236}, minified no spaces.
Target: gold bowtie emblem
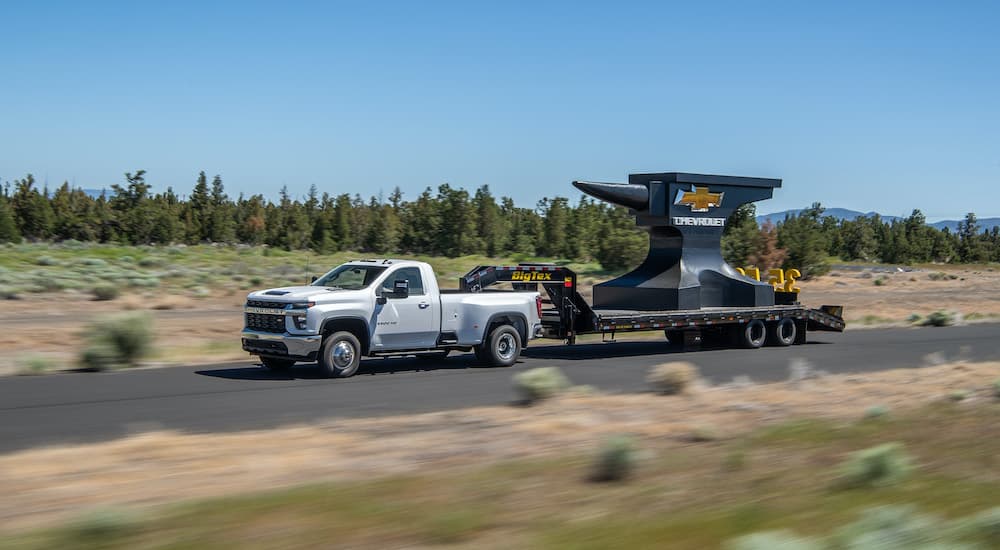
{"x":700,"y":200}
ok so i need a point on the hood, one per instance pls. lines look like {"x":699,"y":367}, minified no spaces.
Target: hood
{"x":291,"y":293}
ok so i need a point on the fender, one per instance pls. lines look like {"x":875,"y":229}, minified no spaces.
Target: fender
{"x":350,"y":322}
{"x":513,"y":316}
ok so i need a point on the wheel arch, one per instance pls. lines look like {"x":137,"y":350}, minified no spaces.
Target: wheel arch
{"x":513,"y":318}
{"x":355,"y":325}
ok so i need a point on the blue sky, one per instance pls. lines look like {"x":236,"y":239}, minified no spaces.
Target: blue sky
{"x":871,"y":106}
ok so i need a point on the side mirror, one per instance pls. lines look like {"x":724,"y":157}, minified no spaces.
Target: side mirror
{"x":314,"y":279}
{"x":380,"y":298}
{"x":401,"y":288}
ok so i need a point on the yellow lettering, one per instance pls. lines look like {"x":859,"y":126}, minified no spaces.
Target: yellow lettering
{"x":791,"y":275}
{"x":776,"y":278}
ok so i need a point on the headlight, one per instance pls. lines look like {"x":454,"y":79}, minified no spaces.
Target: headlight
{"x":297,"y":312}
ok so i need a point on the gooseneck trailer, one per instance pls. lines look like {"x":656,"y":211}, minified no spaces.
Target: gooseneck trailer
{"x":683,"y":287}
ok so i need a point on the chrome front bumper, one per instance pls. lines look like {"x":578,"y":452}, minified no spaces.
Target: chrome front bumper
{"x":294,"y":346}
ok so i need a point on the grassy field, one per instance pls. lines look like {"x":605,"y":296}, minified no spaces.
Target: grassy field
{"x":191,"y":270}
{"x":697,"y":496}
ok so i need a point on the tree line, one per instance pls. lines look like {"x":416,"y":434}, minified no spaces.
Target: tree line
{"x":452,"y":222}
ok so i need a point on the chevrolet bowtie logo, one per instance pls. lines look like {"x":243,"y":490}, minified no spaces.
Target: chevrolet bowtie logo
{"x":700,"y":200}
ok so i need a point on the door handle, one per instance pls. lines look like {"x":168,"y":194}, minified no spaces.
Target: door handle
{"x":423,"y":305}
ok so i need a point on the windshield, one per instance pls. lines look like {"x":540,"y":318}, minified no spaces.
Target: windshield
{"x":350,"y":277}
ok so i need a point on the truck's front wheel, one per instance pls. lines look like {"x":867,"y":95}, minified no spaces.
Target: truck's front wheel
{"x":340,"y":355}
{"x":501,"y":348}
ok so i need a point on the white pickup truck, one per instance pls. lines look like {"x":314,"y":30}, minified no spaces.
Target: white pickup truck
{"x":385,"y":307}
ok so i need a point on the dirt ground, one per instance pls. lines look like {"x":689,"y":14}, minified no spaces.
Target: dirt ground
{"x":205,"y":330}
{"x":45,"y":484}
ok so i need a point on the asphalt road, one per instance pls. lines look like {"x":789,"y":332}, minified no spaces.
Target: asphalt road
{"x":80,"y":407}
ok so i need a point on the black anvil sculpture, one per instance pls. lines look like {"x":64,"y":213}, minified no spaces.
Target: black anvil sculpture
{"x":686,"y":214}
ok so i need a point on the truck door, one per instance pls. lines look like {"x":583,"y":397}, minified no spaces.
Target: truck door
{"x":407,"y":323}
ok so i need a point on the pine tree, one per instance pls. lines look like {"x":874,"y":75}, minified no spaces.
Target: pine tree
{"x":741,"y":236}
{"x":970,"y":247}
{"x":222,"y":226}
{"x":200,"y":205}
{"x":8,"y":227}
{"x":804,"y":242}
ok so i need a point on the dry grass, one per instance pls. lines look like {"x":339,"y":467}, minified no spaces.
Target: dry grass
{"x":160,"y":467}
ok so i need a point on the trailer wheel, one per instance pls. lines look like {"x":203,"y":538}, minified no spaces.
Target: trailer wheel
{"x":501,"y":348}
{"x":783,"y":332}
{"x":276,"y":363}
{"x":340,"y":355}
{"x":754,"y":334}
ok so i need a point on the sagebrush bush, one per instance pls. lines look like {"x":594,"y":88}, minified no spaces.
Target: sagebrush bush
{"x":118,"y":341}
{"x":615,"y":459}
{"x":8,"y":293}
{"x":34,"y":365}
{"x":996,"y":388}
{"x":958,"y":395}
{"x":99,"y":356}
{"x":672,"y":378}
{"x":104,"y":293}
{"x":46,"y":261}
{"x":773,"y":540}
{"x":541,"y":383}
{"x":876,"y":411}
{"x":939,"y":319}
{"x":876,"y":466}
{"x":102,"y":524}
{"x":892,"y":528}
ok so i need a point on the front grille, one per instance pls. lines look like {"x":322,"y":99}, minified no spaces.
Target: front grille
{"x":261,"y":303}
{"x":266,"y":323}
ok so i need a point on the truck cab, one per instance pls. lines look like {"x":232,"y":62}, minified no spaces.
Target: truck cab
{"x":380,"y":307}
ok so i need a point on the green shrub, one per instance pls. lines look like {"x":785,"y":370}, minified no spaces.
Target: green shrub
{"x":892,"y":528}
{"x":151,"y":261}
{"x":881,"y":281}
{"x":939,"y":319}
{"x":773,"y":540}
{"x":615,"y":460}
{"x":46,"y":261}
{"x":914,"y":319}
{"x":100,"y":356}
{"x":876,"y":411}
{"x":117,"y":341}
{"x":34,"y":365}
{"x":996,"y":388}
{"x":880,"y":465}
{"x":937,"y":276}
{"x":97,"y":526}
{"x":703,"y":434}
{"x":672,"y":378}
{"x":541,"y":383}
{"x":984,"y":526}
{"x":958,"y":395}
{"x":8,"y":293}
{"x":103,"y":293}
{"x":256,"y":281}
{"x":94,"y":262}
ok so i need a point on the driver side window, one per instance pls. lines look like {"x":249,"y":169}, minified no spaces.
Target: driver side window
{"x":411,"y":274}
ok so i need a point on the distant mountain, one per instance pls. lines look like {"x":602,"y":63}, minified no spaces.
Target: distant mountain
{"x":984,"y":223}
{"x":839,"y":213}
{"x":844,"y":214}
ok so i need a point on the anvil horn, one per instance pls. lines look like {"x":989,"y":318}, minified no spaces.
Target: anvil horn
{"x":624,"y":194}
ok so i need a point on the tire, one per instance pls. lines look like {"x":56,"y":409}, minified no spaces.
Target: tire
{"x":276,"y":363}
{"x":753,"y":335}
{"x":675,"y":337}
{"x":782,"y":333}
{"x":340,"y":355}
{"x":501,"y":348}
{"x":433,"y":355}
